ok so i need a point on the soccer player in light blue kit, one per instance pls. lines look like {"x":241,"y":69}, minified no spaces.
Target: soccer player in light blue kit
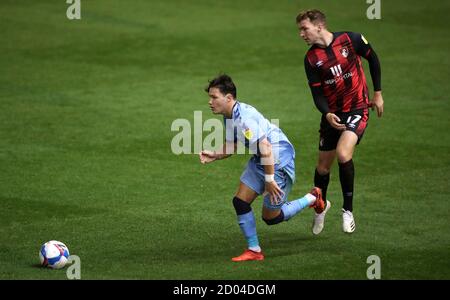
{"x":270,"y":172}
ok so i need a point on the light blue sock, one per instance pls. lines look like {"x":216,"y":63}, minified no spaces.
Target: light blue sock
{"x":248,"y":226}
{"x":292,"y":208}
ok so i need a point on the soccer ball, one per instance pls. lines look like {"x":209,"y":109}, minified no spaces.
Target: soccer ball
{"x":54,"y":254}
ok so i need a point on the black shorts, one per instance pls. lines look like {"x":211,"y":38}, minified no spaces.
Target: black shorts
{"x":355,"y":121}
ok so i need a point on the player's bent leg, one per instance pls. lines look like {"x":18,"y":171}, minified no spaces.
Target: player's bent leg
{"x":247,"y":223}
{"x":246,"y":220}
{"x":283,"y":211}
{"x":287,"y":210}
{"x":272,"y":216}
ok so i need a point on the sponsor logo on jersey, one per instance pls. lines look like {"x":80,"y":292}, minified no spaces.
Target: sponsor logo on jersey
{"x":339,"y":78}
{"x":319,"y":63}
{"x":336,"y":70}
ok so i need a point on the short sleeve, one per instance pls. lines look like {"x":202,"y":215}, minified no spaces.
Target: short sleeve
{"x":252,"y":131}
{"x":360,"y":44}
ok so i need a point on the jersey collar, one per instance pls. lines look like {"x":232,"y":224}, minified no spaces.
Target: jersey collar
{"x":235,"y":110}
{"x":335,"y":34}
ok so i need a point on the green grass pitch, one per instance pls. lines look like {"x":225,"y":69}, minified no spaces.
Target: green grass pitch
{"x":86,"y":108}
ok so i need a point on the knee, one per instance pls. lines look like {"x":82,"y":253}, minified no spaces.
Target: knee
{"x":269,"y":221}
{"x":241,"y":206}
{"x":343,"y":156}
{"x":323,"y":170}
{"x":276,"y":220}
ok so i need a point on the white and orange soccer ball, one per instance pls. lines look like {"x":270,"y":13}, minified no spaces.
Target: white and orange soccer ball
{"x":54,"y":254}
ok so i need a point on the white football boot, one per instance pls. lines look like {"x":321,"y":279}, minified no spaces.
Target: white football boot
{"x":319,"y":220}
{"x":348,"y":223}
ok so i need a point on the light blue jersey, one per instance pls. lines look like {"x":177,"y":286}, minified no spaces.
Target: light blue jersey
{"x":249,"y":126}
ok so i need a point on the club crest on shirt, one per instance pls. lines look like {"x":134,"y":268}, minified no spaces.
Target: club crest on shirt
{"x":344,"y":52}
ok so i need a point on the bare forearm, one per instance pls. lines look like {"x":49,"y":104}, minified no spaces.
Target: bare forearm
{"x":226,"y":151}
{"x":267,"y":159}
{"x":269,"y":169}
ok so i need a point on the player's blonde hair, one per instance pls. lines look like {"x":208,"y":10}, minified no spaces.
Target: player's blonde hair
{"x":315,"y":16}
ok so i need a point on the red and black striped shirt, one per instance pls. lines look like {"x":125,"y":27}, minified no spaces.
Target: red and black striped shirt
{"x":338,"y":72}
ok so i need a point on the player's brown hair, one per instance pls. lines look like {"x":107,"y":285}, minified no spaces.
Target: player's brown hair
{"x":224,"y":83}
{"x":314,"y":15}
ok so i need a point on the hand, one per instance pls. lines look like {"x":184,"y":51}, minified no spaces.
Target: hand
{"x":378,"y":103}
{"x":334,"y":121}
{"x":207,"y":156}
{"x":275,"y":193}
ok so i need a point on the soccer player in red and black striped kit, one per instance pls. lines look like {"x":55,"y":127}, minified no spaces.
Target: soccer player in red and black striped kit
{"x":338,"y":85}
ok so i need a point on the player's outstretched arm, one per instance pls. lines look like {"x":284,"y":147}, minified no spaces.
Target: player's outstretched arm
{"x":207,"y":156}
